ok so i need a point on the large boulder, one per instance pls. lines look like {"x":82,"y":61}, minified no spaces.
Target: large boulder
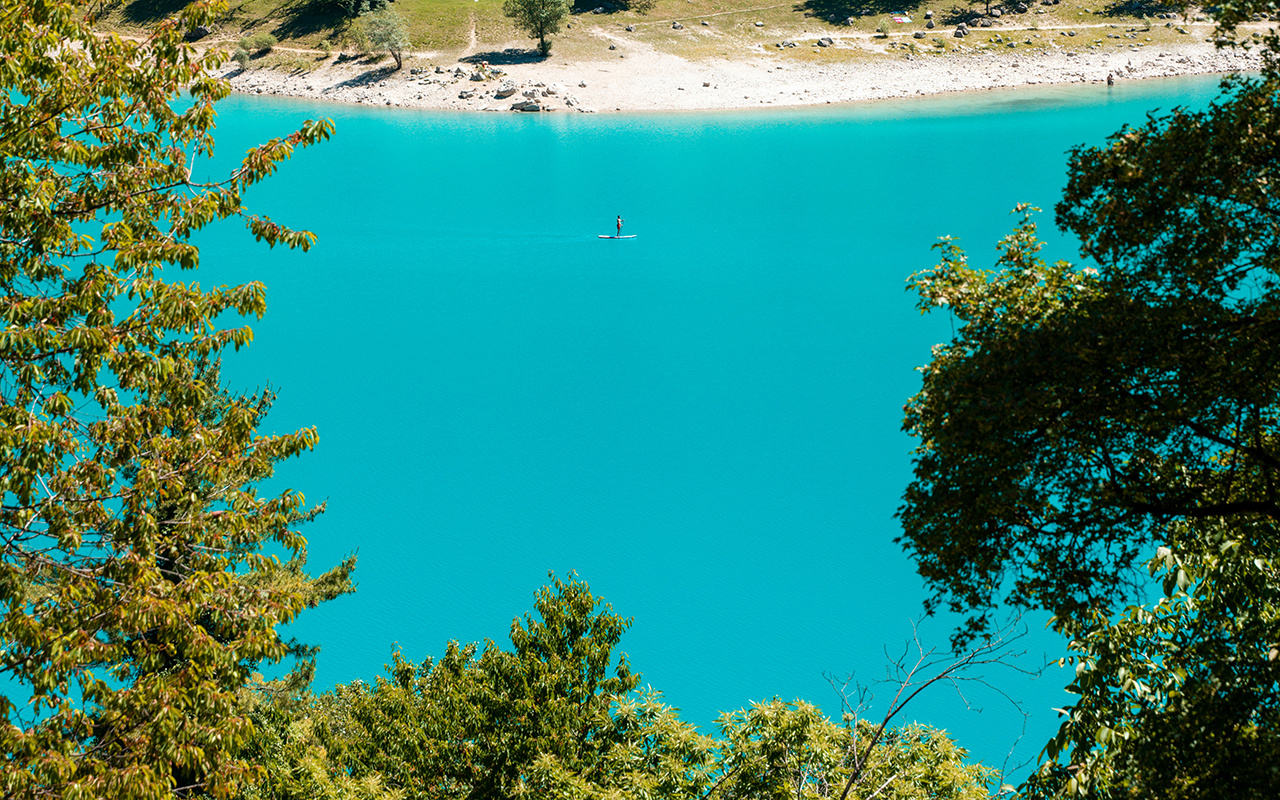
{"x":526,"y":105}
{"x":929,"y":24}
{"x":505,"y":90}
{"x":197,"y":33}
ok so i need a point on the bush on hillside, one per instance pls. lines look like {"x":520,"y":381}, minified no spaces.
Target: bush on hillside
{"x":257,"y":43}
{"x":354,"y":8}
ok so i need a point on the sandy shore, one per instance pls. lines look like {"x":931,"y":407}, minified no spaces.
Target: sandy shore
{"x":643,"y":79}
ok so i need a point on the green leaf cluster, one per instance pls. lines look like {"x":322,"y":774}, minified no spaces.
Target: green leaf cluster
{"x":135,"y":595}
{"x":555,"y":716}
{"x":1087,"y":417}
{"x":1079,"y":410}
{"x":386,"y":30}
{"x":789,"y":751}
{"x":538,"y":18}
{"x":558,"y":715}
{"x":1187,"y":682}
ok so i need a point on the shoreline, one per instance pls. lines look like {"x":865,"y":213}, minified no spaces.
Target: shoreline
{"x":648,"y":80}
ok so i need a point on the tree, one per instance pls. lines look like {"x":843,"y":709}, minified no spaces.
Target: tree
{"x":1178,"y":698}
{"x":544,"y":719}
{"x":287,"y":750}
{"x":789,"y":751}
{"x":1087,"y":420}
{"x":387,"y":31}
{"x":137,"y":599}
{"x":538,"y":18}
{"x":1079,"y":411}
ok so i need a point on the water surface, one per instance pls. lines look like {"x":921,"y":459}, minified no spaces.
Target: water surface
{"x":702,"y":422}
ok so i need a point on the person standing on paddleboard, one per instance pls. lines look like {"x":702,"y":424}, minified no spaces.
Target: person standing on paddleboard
{"x":620,"y":221}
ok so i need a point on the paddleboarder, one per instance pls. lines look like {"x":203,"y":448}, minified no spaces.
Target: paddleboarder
{"x":620,"y":221}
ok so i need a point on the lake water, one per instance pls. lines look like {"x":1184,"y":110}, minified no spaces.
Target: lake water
{"x":702,"y":422}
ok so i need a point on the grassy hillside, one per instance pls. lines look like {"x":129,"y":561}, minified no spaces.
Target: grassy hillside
{"x":444,"y":30}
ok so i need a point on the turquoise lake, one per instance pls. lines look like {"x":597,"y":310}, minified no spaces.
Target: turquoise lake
{"x":702,"y":422}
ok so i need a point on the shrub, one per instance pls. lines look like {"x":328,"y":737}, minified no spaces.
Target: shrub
{"x":357,"y":38}
{"x":241,"y":57}
{"x":387,"y":31}
{"x":354,"y":8}
{"x":257,"y":43}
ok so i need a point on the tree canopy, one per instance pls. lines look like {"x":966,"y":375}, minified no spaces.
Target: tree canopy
{"x":137,"y":599}
{"x":559,"y":714}
{"x":387,"y":31}
{"x":538,"y":18}
{"x":1090,"y":419}
{"x":1079,"y":411}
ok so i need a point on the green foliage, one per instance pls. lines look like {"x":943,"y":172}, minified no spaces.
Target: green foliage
{"x":355,"y":8}
{"x":386,"y":30}
{"x":1078,"y":411}
{"x":558,"y":716}
{"x":1187,"y":683}
{"x":538,"y":18}
{"x":356,"y":36}
{"x":136,"y":596}
{"x":257,"y":43}
{"x":789,"y":751}
{"x":1082,"y":418}
{"x":553,"y":717}
{"x":292,"y":761}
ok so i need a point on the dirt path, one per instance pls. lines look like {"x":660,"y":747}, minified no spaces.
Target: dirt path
{"x":472,"y":42}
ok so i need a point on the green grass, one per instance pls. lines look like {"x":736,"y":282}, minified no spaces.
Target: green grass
{"x":449,"y":28}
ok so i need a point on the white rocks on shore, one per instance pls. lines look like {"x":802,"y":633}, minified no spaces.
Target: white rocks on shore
{"x":653,"y":81}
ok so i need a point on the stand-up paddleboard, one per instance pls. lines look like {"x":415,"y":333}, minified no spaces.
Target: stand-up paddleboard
{"x":628,"y":236}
